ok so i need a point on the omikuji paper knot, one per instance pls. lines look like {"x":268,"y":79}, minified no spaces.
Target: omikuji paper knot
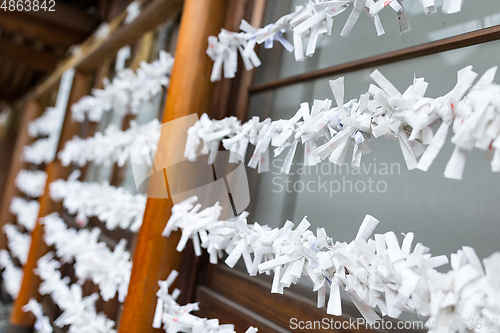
{"x":114,"y":206}
{"x":110,"y":146}
{"x":326,"y":132}
{"x":374,"y":272}
{"x":26,"y":212}
{"x":127,"y":91}
{"x":31,"y":182}
{"x":12,"y":275}
{"x":19,"y":243}
{"x":178,"y":318}
{"x":78,"y":312}
{"x":93,"y":260}
{"x":46,"y":124}
{"x":42,"y":324}
{"x":41,"y":151}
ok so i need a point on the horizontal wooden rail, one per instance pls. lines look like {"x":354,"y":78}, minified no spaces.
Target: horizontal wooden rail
{"x":254,"y":294}
{"x":442,"y":45}
{"x":214,"y":305}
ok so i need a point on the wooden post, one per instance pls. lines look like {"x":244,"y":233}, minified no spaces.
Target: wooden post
{"x":32,"y":110}
{"x":190,"y":91}
{"x":19,"y":320}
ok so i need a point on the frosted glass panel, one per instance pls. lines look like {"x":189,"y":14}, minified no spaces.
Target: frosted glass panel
{"x":363,"y":41}
{"x":444,"y":214}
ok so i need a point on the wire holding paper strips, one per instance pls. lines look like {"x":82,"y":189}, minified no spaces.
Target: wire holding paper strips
{"x":375,"y":272}
{"x":12,"y":275}
{"x":110,"y":146}
{"x":31,"y":183}
{"x":114,"y":206}
{"x":472,"y":111}
{"x":26,"y":211}
{"x":42,"y":323}
{"x":19,"y":243}
{"x":127,"y":91}
{"x":78,"y":312}
{"x":93,"y":260}
{"x":178,"y":318}
{"x":309,"y":24}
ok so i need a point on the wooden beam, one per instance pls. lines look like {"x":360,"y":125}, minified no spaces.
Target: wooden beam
{"x":32,"y":110}
{"x":15,"y":82}
{"x":34,"y":28}
{"x":19,"y":319}
{"x":8,"y":67}
{"x":189,"y":92}
{"x":442,"y":45}
{"x":66,"y":17}
{"x":42,"y":61}
{"x":156,"y":12}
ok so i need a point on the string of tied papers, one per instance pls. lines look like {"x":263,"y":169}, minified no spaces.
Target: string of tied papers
{"x":111,"y":146}
{"x":110,"y":270}
{"x":374,"y":272}
{"x":308,"y":24}
{"x":93,"y":260}
{"x":113,"y":206}
{"x":78,"y":311}
{"x":128,"y":90}
{"x":178,"y":318}
{"x":31,"y":183}
{"x":472,"y":111}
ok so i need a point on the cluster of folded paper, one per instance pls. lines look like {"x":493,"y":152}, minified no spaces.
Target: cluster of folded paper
{"x":326,"y":132}
{"x":308,"y":24}
{"x":113,"y":206}
{"x":374,"y":272}
{"x":111,"y":146}
{"x":128,"y":90}
{"x":178,"y":318}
